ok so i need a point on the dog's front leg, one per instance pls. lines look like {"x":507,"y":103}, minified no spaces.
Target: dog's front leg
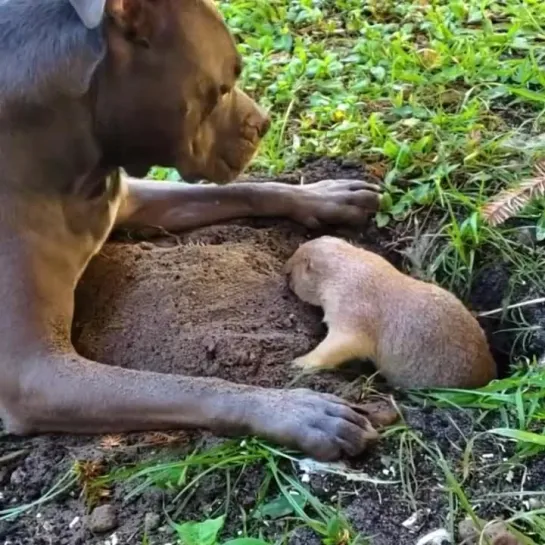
{"x":63,"y":392}
{"x":179,"y":206}
{"x":45,"y":386}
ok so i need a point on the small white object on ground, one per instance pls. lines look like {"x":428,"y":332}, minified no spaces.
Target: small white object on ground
{"x":437,"y":537}
{"x":310,"y":466}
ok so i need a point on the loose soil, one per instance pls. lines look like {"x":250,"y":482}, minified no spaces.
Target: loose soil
{"x":213,"y":302}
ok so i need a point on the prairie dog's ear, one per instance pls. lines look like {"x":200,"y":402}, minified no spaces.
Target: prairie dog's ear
{"x":90,"y":12}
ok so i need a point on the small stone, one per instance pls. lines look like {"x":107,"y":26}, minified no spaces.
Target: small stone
{"x":289,"y":322}
{"x":527,"y":236}
{"x":437,"y":537}
{"x":152,"y":521}
{"x":17,"y":477}
{"x":536,"y":503}
{"x":211,"y":349}
{"x":495,"y":529}
{"x":468,"y":533}
{"x":103,"y":519}
{"x":466,"y":530}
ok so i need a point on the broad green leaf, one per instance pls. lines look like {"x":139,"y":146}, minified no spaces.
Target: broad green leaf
{"x":200,"y":533}
{"x":279,"y":507}
{"x":382,"y":219}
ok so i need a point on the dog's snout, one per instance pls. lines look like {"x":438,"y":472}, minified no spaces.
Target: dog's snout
{"x":256,"y":126}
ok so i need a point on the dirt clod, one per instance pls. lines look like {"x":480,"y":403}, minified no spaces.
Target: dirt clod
{"x":469,"y":534}
{"x":17,"y":477}
{"x":103,"y":519}
{"x":152,"y":521}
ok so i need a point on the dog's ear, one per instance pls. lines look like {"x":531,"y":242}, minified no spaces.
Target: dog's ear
{"x":90,"y":11}
{"x":135,"y":18}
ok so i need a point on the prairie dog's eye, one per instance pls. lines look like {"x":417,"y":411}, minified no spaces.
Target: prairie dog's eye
{"x":224,"y":89}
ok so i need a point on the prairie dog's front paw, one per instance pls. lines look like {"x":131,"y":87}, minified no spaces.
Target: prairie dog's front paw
{"x":308,"y":363}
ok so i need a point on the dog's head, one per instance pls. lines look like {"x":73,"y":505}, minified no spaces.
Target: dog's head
{"x":166,"y":93}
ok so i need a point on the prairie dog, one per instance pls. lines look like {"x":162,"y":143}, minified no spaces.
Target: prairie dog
{"x":417,"y":334}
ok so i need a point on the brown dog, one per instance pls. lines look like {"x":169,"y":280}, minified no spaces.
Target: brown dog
{"x":87,"y":86}
{"x":418,"y":334}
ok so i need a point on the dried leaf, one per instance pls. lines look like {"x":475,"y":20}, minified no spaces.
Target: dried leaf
{"x":159,"y":438}
{"x":89,"y":473}
{"x":112,"y":441}
{"x":508,"y":203}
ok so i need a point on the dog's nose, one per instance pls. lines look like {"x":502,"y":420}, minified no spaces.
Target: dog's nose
{"x":264,"y":126}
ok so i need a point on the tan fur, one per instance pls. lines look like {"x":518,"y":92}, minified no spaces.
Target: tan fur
{"x":417,"y":334}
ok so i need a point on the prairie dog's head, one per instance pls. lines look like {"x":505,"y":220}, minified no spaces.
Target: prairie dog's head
{"x":311,"y":264}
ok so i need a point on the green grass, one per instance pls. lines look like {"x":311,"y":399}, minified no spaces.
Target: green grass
{"x":434,"y":97}
{"x":281,"y":495}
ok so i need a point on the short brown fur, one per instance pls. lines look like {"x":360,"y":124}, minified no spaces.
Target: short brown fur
{"x":418,"y":334}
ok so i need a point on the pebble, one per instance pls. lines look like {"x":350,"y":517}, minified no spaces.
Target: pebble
{"x":466,"y":530}
{"x":17,"y":477}
{"x":152,"y":521}
{"x":210,"y":348}
{"x":468,"y":533}
{"x":437,"y":537}
{"x":289,"y":322}
{"x":103,"y":519}
{"x":536,"y":503}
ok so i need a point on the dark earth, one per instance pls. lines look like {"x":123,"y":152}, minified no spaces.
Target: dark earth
{"x":213,"y":302}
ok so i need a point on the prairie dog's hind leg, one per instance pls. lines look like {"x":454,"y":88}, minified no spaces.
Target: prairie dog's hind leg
{"x":337,"y":348}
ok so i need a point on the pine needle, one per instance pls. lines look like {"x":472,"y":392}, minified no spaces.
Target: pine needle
{"x":509,"y":202}
{"x":109,"y":442}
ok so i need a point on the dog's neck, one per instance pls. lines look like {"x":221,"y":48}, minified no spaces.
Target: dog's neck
{"x":47,"y":142}
{"x":50,"y":154}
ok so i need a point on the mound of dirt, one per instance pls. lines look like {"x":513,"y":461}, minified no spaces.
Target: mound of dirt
{"x":214,"y":304}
